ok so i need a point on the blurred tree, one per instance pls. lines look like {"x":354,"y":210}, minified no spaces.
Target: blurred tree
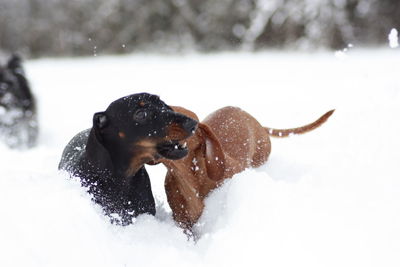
{"x":84,"y":27}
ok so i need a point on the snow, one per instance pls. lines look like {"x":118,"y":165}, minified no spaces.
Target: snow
{"x":327,"y":198}
{"x":393,"y":38}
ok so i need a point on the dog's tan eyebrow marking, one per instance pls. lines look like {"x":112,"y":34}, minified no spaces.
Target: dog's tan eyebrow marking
{"x":142,"y":103}
{"x":144,"y":144}
{"x":121,"y":135}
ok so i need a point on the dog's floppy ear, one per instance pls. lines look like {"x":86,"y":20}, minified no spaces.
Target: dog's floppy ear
{"x":215,"y":157}
{"x":100,"y":121}
{"x":14,"y":64}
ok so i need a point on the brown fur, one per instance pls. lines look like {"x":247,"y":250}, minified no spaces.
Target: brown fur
{"x":144,"y":152}
{"x":225,"y":143}
{"x":175,"y":132}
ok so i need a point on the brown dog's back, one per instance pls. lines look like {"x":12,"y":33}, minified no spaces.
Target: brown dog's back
{"x":244,"y":141}
{"x":242,"y":138}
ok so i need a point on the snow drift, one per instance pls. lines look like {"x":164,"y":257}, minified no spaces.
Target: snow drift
{"x":327,"y":198}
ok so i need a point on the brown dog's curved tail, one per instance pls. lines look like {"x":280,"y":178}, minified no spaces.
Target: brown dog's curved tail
{"x":300,"y":130}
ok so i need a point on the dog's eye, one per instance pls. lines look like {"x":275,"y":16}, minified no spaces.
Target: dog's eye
{"x":140,"y":115}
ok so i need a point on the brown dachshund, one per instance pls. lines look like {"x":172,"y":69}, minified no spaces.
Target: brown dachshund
{"x":225,"y":143}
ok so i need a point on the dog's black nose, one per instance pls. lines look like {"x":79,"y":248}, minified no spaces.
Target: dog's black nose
{"x":189,"y":125}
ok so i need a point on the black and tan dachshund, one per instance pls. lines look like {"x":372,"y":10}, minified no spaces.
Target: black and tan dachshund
{"x":18,"y":119}
{"x":109,"y":158}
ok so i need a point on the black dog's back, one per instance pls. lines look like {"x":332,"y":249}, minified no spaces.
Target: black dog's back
{"x":74,"y":151}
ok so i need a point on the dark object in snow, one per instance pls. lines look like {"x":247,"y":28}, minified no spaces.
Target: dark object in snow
{"x":18,"y":118}
{"x":109,"y":158}
{"x":225,"y":143}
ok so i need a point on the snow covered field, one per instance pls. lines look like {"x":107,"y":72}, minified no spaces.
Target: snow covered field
{"x":328,"y":198}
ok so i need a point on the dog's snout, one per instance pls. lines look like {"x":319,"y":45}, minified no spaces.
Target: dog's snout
{"x":190,"y":125}
{"x":186,"y":123}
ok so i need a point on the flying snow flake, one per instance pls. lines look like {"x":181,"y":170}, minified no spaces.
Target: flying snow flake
{"x":115,"y":216}
{"x":393,"y":38}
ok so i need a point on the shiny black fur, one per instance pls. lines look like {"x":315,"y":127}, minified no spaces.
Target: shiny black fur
{"x":102,"y":156}
{"x":18,"y":119}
